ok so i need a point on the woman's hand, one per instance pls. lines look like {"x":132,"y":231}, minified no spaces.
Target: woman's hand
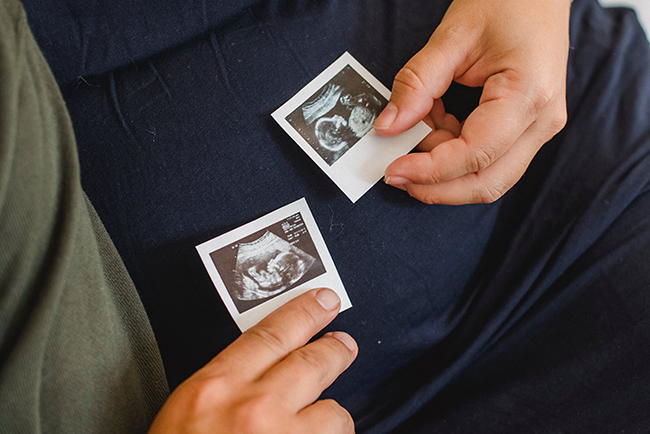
{"x":517,"y":50}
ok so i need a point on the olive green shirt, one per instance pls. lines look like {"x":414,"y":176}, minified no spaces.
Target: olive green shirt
{"x":77,"y":353}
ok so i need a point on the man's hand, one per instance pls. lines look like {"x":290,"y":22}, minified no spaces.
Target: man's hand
{"x":517,"y":50}
{"x":268,"y":381}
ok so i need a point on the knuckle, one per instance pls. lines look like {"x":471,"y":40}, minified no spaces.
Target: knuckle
{"x":253,"y":416}
{"x":313,"y":362}
{"x":533,"y":99}
{"x":308,"y":316}
{"x":479,"y":159}
{"x":270,"y":336}
{"x":410,"y":78}
{"x":429,"y":199}
{"x":546,"y":98}
{"x":543,"y":96}
{"x":340,"y":414}
{"x":558,"y":119}
{"x":201,"y":395}
{"x":490,"y":193}
{"x":433,"y":175}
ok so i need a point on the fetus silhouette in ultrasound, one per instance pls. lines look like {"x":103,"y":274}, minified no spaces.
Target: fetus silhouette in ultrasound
{"x":268,"y":266}
{"x":335,"y":118}
{"x":336,"y":134}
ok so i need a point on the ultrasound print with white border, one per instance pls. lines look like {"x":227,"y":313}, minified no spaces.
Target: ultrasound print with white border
{"x":335,"y":118}
{"x":331,"y":119}
{"x":268,"y":262}
{"x":261,"y":265}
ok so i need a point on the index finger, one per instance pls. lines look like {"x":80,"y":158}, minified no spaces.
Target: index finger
{"x":289,"y":327}
{"x":427,"y":75}
{"x":502,"y":116}
{"x":300,"y":378}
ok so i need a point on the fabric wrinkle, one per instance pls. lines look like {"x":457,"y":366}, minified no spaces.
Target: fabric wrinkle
{"x":160,"y":80}
{"x":223,"y":69}
{"x":118,"y":109}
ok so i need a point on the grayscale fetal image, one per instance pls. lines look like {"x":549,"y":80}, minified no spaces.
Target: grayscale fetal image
{"x":338,"y":115}
{"x":268,"y":262}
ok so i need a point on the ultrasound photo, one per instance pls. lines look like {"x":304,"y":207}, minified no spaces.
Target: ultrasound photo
{"x":268,"y":262}
{"x":338,"y":115}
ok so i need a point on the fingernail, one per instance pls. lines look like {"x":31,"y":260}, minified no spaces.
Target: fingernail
{"x":396,"y":180}
{"x":346,"y":339}
{"x":328,"y":299}
{"x":387,"y":117}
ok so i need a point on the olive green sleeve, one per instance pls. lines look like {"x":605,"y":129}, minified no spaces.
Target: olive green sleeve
{"x":77,"y":353}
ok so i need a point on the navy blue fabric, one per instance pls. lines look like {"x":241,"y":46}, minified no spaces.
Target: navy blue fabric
{"x":526,"y":315}
{"x":91,"y":37}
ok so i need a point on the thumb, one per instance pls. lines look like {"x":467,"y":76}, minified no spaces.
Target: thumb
{"x":423,"y":79}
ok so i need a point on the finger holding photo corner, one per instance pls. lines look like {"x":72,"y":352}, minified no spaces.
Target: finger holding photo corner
{"x":268,"y":381}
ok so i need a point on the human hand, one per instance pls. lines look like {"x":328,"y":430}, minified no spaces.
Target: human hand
{"x":268,"y":381}
{"x":517,"y":50}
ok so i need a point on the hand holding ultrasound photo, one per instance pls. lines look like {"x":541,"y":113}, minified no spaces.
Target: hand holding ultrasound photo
{"x":332,"y":119}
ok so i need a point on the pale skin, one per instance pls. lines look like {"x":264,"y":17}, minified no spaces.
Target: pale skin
{"x":517,"y":50}
{"x":269,"y":380}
